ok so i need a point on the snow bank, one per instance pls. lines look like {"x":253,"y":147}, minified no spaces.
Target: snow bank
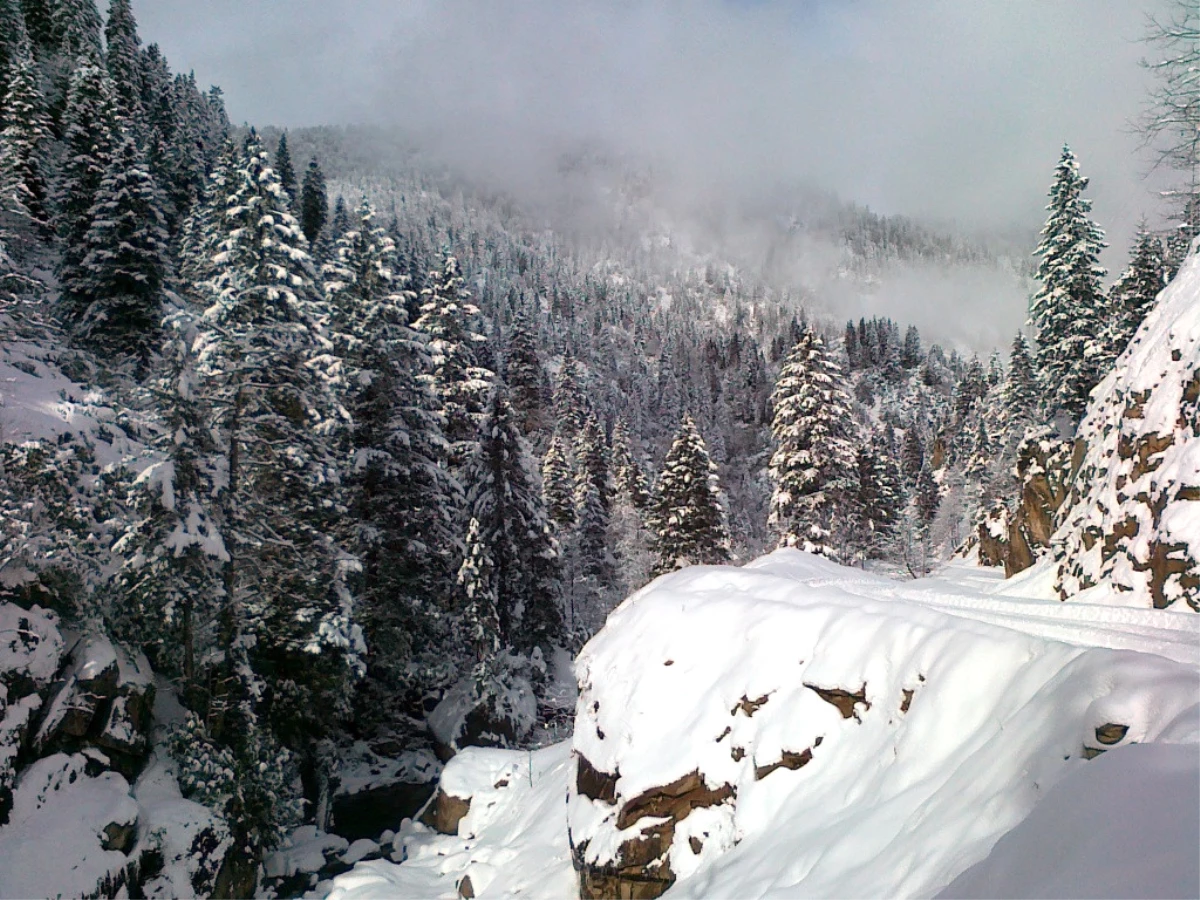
{"x":1132,"y":525}
{"x":1124,"y":826}
{"x":823,"y":732}
{"x":511,"y":842}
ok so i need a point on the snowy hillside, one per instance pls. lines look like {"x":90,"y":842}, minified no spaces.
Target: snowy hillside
{"x":798,"y":728}
{"x":1133,"y":525}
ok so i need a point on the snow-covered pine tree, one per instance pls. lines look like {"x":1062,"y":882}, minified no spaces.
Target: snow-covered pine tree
{"x":404,"y":504}
{"x":123,"y":55}
{"x":688,"y":517}
{"x":287,"y":620}
{"x":79,"y":24}
{"x":558,"y":483}
{"x":1067,"y":312}
{"x":503,"y":496}
{"x":813,"y":468}
{"x":912,"y":454}
{"x":525,"y":376}
{"x":591,"y":462}
{"x":480,"y":620}
{"x":127,"y":257}
{"x":1133,"y":294}
{"x":203,"y":229}
{"x":89,"y":123}
{"x":24,"y":143}
{"x":173,"y":551}
{"x":571,"y":406}
{"x":880,"y":494}
{"x":628,"y":478}
{"x":314,"y":202}
{"x":339,"y":222}
{"x":450,"y":322}
{"x":593,"y":500}
{"x":285,"y":168}
{"x":1020,"y":392}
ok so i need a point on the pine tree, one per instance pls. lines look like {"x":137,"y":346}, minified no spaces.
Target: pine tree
{"x":912,"y":455}
{"x":402,"y":500}
{"x":688,"y":517}
{"x":813,"y":468}
{"x":570,"y":404}
{"x":39,"y":19}
{"x":24,"y":142}
{"x":1020,"y":391}
{"x":1133,"y":294}
{"x":90,"y":122}
{"x":339,"y":223}
{"x":477,"y":583}
{"x":287,"y":171}
{"x":504,"y":498}
{"x":558,"y":483}
{"x":287,"y":618}
{"x":125,"y":268}
{"x":1067,"y":312}
{"x":591,"y":463}
{"x":79,"y":24}
{"x":880,"y":493}
{"x":628,"y":478}
{"x":969,"y":390}
{"x":593,"y":499}
{"x":123,"y":55}
{"x":928,"y":498}
{"x":525,"y":376}
{"x":314,"y":202}
{"x":449,"y":320}
{"x":910,"y":354}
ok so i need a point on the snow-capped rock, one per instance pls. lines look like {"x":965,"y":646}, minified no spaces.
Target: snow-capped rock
{"x":1132,"y":525}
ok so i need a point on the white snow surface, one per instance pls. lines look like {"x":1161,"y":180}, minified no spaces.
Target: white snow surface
{"x":1006,"y":694}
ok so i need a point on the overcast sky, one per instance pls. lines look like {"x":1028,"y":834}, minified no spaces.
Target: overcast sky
{"x":948,"y":108}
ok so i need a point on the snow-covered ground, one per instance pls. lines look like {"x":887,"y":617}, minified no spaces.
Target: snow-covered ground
{"x":979,"y":712}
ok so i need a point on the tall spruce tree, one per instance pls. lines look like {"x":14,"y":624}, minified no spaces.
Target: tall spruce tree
{"x":90,"y":139}
{"x":402,"y":500}
{"x":126,"y":263}
{"x":813,"y":468}
{"x":286,"y":625}
{"x":1020,"y":392}
{"x":123,"y":55}
{"x":503,"y":496}
{"x":285,"y":168}
{"x":689,"y":520}
{"x":1067,"y":312}
{"x":627,"y":475}
{"x":450,"y":322}
{"x":558,"y":482}
{"x":525,"y":375}
{"x":1133,"y":294}
{"x":314,"y":202}
{"x":24,"y":143}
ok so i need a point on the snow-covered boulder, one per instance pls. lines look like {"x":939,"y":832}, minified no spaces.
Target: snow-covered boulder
{"x":795,"y":728}
{"x":1132,"y":526}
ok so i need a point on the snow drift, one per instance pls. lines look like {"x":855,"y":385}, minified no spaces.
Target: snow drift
{"x":1132,"y":526}
{"x":795,"y":728}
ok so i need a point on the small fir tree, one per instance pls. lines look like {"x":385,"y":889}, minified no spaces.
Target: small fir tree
{"x":688,"y":517}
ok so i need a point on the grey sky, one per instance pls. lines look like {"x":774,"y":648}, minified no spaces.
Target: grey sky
{"x":946,"y":108}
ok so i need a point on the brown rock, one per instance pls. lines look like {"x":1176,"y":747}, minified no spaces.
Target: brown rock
{"x":674,"y":800}
{"x":789,"y":760}
{"x":842,"y":699}
{"x":465,"y":888}
{"x":444,"y":812}
{"x":1111,"y":733}
{"x":748,"y":706}
{"x":590,"y":782}
{"x":907,"y":701}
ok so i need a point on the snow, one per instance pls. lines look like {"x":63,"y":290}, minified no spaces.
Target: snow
{"x":1124,"y":825}
{"x":899,"y":797}
{"x":30,"y":643}
{"x":306,"y":849}
{"x":54,"y":797}
{"x":512,"y":842}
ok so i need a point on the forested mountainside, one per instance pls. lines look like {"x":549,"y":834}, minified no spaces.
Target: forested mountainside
{"x":319,"y":459}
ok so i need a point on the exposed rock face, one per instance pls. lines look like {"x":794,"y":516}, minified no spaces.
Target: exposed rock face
{"x":1046,"y":467}
{"x":445,"y":811}
{"x":1133,"y":518}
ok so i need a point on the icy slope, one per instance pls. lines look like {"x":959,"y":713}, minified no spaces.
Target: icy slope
{"x":794,"y":728}
{"x":1132,"y":525}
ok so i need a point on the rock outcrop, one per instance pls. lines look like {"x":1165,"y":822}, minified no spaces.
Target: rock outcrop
{"x":1132,"y":522}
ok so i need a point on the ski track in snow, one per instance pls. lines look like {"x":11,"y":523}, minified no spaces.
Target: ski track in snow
{"x":1174,"y":635}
